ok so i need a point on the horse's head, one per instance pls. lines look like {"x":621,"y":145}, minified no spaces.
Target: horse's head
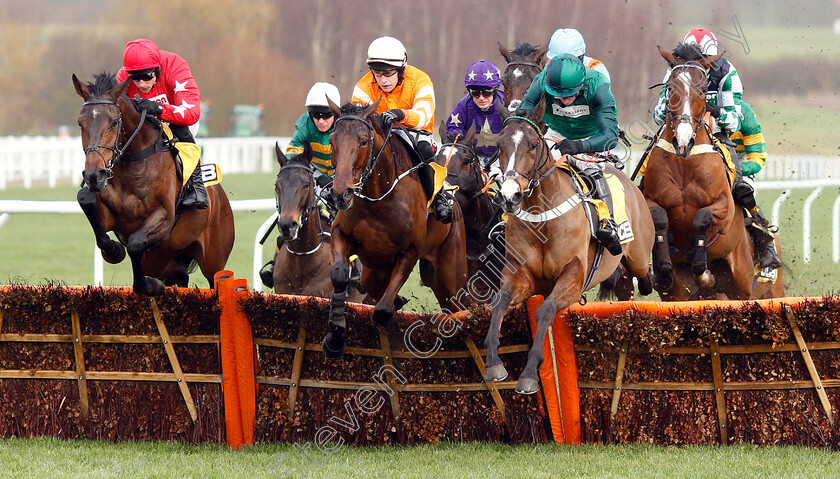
{"x":354,"y":149}
{"x":524,"y":63}
{"x":101,"y":121}
{"x":458,"y":155}
{"x":686,"y":93}
{"x":294,"y":191}
{"x":523,"y":154}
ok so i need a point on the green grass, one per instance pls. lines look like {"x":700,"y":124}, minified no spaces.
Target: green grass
{"x":794,"y":126}
{"x":44,"y":248}
{"x":45,"y":457}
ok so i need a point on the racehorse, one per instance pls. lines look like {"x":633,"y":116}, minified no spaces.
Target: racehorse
{"x":383,"y":218}
{"x":550,"y":247}
{"x":689,"y":196}
{"x":302,"y":265}
{"x":524,"y":63}
{"x":130,"y":186}
{"x":485,"y":254}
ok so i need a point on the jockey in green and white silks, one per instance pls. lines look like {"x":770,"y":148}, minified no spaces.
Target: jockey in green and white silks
{"x":580,"y":112}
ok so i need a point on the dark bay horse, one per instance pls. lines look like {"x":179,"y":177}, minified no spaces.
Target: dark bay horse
{"x":485,"y":253}
{"x":524,"y":63}
{"x":130,"y":187}
{"x":384,"y":219}
{"x":549,"y":242}
{"x":302,"y":265}
{"x":689,"y":196}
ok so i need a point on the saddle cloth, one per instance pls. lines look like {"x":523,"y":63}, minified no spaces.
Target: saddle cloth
{"x":187,"y":157}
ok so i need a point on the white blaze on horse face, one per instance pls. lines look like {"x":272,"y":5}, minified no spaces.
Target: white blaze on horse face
{"x":448,"y":151}
{"x":510,"y":186}
{"x":684,"y":129}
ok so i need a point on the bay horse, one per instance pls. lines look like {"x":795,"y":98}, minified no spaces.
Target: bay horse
{"x":302,"y":265}
{"x":689,"y":195}
{"x":524,"y":63}
{"x":485,"y":250}
{"x":130,"y":186}
{"x":384,"y":219}
{"x":550,"y":246}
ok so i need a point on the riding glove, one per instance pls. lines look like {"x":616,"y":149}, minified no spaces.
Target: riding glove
{"x":569,"y":147}
{"x":749,"y":168}
{"x":323,"y":181}
{"x":151,"y":107}
{"x":713,"y":108}
{"x":392,"y":116}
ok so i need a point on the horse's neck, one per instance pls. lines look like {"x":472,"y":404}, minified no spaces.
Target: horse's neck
{"x":550,"y":192}
{"x":384,"y":174}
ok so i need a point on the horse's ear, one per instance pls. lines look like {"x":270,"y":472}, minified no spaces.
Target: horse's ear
{"x":371,"y":109}
{"x":335,"y":109}
{"x":82,"y":89}
{"x":707,"y":62}
{"x":307,"y":152}
{"x":471,"y":133}
{"x":541,"y":51}
{"x":504,"y":51}
{"x":444,"y":137}
{"x":503,"y":112}
{"x":281,"y":158}
{"x":667,"y":56}
{"x":119,"y":90}
{"x":536,"y":113}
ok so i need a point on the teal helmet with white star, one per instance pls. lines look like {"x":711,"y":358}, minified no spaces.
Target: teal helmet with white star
{"x":483,"y":74}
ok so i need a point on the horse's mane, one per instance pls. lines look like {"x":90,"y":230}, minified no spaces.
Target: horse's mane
{"x":687,"y":52}
{"x":102,"y":82}
{"x":357,"y":109}
{"x":524,"y":49}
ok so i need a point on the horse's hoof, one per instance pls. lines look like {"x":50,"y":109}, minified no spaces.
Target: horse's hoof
{"x":495,"y":373}
{"x":113,"y":252}
{"x":153,"y":287}
{"x":382,"y":316}
{"x":333,"y":346}
{"x":706,"y":280}
{"x":527,"y":385}
{"x":663,"y":281}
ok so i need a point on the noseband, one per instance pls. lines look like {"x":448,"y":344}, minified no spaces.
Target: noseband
{"x":116,"y":149}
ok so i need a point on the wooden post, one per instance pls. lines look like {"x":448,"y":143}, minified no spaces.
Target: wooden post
{"x":297,"y":367}
{"x":717,"y":376}
{"x":556,"y":379}
{"x":619,"y":380}
{"x":806,"y":355}
{"x":79,"y":351}
{"x":494,"y":391}
{"x":387,"y":355}
{"x":173,"y":359}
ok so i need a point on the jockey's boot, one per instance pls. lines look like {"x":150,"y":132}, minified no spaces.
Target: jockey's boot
{"x":196,"y":194}
{"x":606,"y":234}
{"x":764,"y":241}
{"x":443,"y":201}
{"x":442,"y":206}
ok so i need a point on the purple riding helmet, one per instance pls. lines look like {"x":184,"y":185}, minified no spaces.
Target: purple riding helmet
{"x":483,"y":74}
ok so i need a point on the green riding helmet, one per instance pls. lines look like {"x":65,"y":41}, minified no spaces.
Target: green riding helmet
{"x":564,"y":76}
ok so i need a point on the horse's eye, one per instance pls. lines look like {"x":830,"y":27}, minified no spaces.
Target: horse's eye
{"x":307,"y":184}
{"x":363,"y":142}
{"x":115,"y":123}
{"x":534,"y":145}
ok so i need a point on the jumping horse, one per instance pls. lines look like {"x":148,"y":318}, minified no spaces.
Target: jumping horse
{"x":524,"y":63}
{"x":303,"y":262}
{"x":689,"y":195}
{"x":384,"y":219}
{"x":550,"y":246}
{"x":485,"y":244}
{"x":130,"y":186}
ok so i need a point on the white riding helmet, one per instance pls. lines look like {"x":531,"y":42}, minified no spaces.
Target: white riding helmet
{"x":387,"y":50}
{"x":704,"y":39}
{"x":566,"y":40}
{"x":319,"y":93}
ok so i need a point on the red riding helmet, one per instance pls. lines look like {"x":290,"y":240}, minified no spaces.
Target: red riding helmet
{"x":141,"y":54}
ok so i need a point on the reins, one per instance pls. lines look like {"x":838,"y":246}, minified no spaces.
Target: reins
{"x":118,"y":152}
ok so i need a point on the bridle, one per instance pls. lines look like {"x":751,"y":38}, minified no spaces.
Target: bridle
{"x":542,"y":156}
{"x":475,"y":169}
{"x":304,"y":217}
{"x":373,"y":160}
{"x":116,"y":149}
{"x":686,"y":118}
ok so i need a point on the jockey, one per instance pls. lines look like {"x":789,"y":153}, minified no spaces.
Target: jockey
{"x":569,"y":40}
{"x":314,"y":127}
{"x":407,"y":98}
{"x":723,"y":100}
{"x":163,"y":86}
{"x":478,"y":107}
{"x":580,"y":113}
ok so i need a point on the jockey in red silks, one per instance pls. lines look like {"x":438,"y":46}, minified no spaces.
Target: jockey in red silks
{"x":163,"y":86}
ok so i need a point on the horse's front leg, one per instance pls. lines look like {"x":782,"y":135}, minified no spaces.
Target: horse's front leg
{"x":333,"y":343}
{"x":515,"y":288}
{"x":385,"y":308}
{"x":150,"y":236}
{"x":703,"y":221}
{"x":663,"y":268}
{"x":112,"y":251}
{"x":567,"y":288}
